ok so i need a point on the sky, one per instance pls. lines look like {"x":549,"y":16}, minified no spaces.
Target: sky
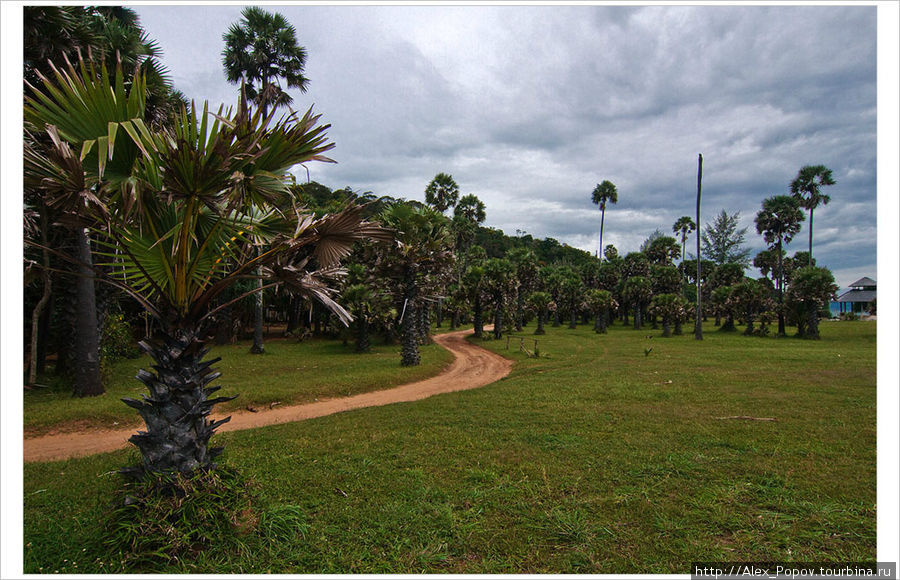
{"x":529,"y":107}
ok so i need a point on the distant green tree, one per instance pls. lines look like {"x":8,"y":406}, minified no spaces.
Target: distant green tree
{"x":670,"y":308}
{"x":601,"y":303}
{"x":603,"y":194}
{"x":540,"y":302}
{"x":260,"y":50}
{"x":526,"y":276}
{"x":779,"y":221}
{"x":812,"y":289}
{"x":442,"y":192}
{"x":683,"y":227}
{"x":750,"y":298}
{"x":662,"y":250}
{"x":723,"y":241}
{"x":806,"y":188}
{"x":638,"y":291}
{"x":499,"y":284}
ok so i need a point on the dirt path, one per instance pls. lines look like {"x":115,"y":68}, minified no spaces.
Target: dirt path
{"x":471,"y":368}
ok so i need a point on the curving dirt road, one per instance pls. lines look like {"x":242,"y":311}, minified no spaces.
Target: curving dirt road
{"x":471,"y":368}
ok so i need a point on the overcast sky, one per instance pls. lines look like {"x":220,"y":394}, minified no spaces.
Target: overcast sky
{"x":529,"y":107}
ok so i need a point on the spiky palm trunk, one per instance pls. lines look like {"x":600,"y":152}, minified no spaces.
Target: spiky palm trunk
{"x":520,"y":309}
{"x":176,"y":412}
{"x":598,"y":322}
{"x":478,"y":317}
{"x":409,"y":354}
{"x":637,"y":317}
{"x":604,"y":320}
{"x":498,"y":318}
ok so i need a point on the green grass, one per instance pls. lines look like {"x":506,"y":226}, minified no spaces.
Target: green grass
{"x":288,"y":372}
{"x":592,"y":459}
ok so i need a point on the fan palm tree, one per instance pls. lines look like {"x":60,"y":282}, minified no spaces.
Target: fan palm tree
{"x":540,"y":302}
{"x":442,"y":193}
{"x":683,"y":227}
{"x":779,"y":221}
{"x":806,"y":188}
{"x":604,"y":193}
{"x":176,"y":229}
{"x":601,"y":302}
{"x":811,"y":290}
{"x":422,"y":250}
{"x":261,"y":49}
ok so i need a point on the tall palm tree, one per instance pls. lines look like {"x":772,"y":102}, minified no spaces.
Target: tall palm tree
{"x":779,"y":221}
{"x":175,"y":231}
{"x":683,"y":227}
{"x":806,"y":188}
{"x":259,"y":50}
{"x":604,"y":193}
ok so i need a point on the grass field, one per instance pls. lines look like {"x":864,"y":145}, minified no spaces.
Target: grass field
{"x":288,"y":372}
{"x":594,"y":458}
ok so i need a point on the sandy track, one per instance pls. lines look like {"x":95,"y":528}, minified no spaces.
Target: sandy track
{"x":471,"y":368}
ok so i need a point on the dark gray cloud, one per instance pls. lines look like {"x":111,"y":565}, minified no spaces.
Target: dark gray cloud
{"x":529,"y":107}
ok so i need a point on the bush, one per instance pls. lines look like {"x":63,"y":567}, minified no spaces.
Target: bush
{"x":117,"y":341}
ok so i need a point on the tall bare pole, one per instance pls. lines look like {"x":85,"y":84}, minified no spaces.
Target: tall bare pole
{"x":698,"y":325}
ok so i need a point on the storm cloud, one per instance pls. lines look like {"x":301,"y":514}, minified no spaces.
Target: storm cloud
{"x":528,"y":107}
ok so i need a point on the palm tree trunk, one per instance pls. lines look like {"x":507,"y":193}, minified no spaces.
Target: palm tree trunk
{"x":812,"y":331}
{"x":477,"y":315}
{"x":86,"y":339}
{"x":602,"y":216}
{"x":362,"y":337}
{"x":667,"y":327}
{"x":542,"y":315}
{"x":810,"y":236}
{"x":409,"y":354}
{"x":177,"y":409}
{"x":781,"y":323}
{"x":520,"y":309}
{"x":258,"y":313}
{"x":41,"y":306}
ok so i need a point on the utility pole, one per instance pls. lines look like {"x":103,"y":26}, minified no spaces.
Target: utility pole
{"x":698,"y":325}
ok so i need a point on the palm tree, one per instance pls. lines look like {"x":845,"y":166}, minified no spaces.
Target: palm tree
{"x":359,"y":297}
{"x":55,"y":34}
{"x":422,"y":251}
{"x":175,"y":230}
{"x":683,"y":227}
{"x":805,"y":188}
{"x":261,"y":49}
{"x":540,"y":302}
{"x":442,"y":193}
{"x":526,"y":275}
{"x":669,"y":307}
{"x":600,"y":302}
{"x":751,"y":298}
{"x":499,"y":284}
{"x":638,"y":291}
{"x":811,"y":289}
{"x":604,"y":193}
{"x":779,"y":221}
